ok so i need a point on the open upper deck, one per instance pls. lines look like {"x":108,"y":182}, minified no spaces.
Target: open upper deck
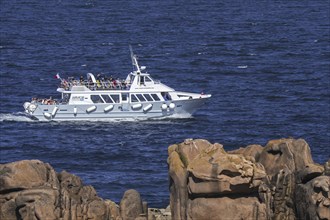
{"x":134,"y":82}
{"x":101,"y":83}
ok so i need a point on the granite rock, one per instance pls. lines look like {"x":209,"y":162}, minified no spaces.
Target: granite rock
{"x":131,"y":205}
{"x":31,"y":189}
{"x":278,"y":181}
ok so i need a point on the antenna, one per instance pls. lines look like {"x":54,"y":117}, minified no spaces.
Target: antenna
{"x":132,"y":55}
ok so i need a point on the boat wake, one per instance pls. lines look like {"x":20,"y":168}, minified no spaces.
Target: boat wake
{"x":18,"y":116}
{"x":177,"y":116}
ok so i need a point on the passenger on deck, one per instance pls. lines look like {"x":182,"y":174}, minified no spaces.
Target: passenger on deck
{"x":123,"y":84}
{"x":118,"y":83}
{"x":105,"y":82}
{"x":65,"y":84}
{"x":114,"y":83}
{"x":98,"y":81}
{"x":109,"y":83}
{"x":91,"y":84}
{"x":50,"y":102}
{"x":82,"y":80}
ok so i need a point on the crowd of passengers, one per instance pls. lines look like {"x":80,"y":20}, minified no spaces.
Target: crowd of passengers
{"x":102,"y":82}
{"x":44,"y":101}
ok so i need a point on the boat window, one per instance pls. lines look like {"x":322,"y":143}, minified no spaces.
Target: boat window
{"x":140,"y":96}
{"x":166,"y":96}
{"x":133,"y":98}
{"x":148,"y":97}
{"x":142,"y":80}
{"x":107,"y":99}
{"x":132,"y":79}
{"x":148,"y":79}
{"x":115,"y":98}
{"x":155,"y":97}
{"x":124,"y":97}
{"x":96,"y":99}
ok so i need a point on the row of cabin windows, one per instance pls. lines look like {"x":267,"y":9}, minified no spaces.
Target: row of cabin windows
{"x":106,"y":98}
{"x":144,"y":97}
{"x":115,"y":98}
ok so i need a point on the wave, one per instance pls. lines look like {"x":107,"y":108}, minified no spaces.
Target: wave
{"x":18,"y":116}
{"x":242,"y":67}
{"x":177,"y":116}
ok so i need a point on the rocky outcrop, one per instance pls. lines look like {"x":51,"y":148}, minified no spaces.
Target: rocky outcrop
{"x":278,"y":181}
{"x":31,"y":189}
{"x":131,"y":205}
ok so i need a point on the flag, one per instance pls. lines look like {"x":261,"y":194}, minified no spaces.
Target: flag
{"x":57,"y":76}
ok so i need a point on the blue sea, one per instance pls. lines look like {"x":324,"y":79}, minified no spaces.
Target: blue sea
{"x":266,"y":64}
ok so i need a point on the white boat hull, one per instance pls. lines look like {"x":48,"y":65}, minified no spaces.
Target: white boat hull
{"x":66,"y":112}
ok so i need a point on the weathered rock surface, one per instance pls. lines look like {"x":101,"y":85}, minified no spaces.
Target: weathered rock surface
{"x":131,"y":205}
{"x":31,"y":189}
{"x":278,"y":181}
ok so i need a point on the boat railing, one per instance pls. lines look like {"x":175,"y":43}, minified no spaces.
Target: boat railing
{"x":45,"y":101}
{"x":98,"y":85}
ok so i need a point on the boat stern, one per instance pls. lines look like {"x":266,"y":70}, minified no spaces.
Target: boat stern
{"x":30,"y":107}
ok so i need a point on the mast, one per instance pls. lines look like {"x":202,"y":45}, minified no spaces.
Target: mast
{"x":134,"y":61}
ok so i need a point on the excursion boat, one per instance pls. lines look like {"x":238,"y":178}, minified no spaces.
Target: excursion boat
{"x":99,"y":98}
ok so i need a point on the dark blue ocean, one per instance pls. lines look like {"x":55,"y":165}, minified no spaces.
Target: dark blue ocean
{"x":266,"y":63}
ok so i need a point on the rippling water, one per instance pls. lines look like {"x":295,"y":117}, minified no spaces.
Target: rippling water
{"x":266,"y":63}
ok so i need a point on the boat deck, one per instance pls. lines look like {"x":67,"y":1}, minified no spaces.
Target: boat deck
{"x":100,"y":84}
